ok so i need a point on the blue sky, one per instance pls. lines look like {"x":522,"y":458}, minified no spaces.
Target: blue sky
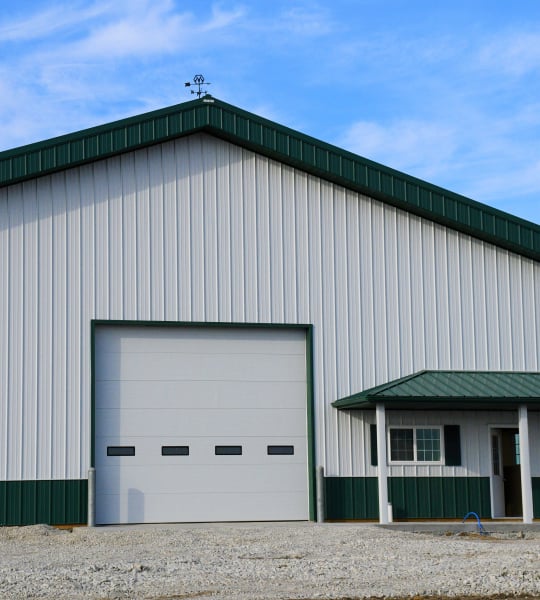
{"x":446,"y":91}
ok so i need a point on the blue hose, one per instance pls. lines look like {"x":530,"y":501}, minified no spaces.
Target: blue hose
{"x":479,"y":526}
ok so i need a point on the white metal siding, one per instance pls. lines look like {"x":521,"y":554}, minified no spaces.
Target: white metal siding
{"x":201,"y":230}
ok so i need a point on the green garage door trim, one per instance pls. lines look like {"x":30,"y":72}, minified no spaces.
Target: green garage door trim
{"x":308,"y":328}
{"x":56,"y":502}
{"x":411,"y":497}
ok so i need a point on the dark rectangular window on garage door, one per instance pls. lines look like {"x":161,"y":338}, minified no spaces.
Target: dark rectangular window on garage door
{"x":280,"y":450}
{"x":228,"y":450}
{"x":120,"y":450}
{"x":174,"y":450}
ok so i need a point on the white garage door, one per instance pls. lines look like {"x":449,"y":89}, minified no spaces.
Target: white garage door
{"x":200,"y":424}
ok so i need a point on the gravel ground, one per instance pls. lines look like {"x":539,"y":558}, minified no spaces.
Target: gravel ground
{"x":278,"y":561}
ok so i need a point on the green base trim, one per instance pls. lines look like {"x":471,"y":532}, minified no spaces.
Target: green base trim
{"x":411,"y":497}
{"x":351,"y":498}
{"x":439,"y":497}
{"x":55,"y":502}
{"x":535,"y":481}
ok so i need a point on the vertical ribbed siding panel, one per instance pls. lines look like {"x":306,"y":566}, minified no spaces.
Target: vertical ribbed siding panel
{"x":530,"y":303}
{"x":115,"y":240}
{"x":183,"y":227}
{"x":74,"y":330}
{"x":87,"y":304}
{"x":15,"y":433}
{"x":227,"y":159}
{"x":198,"y":304}
{"x":440,"y":293}
{"x":454,"y":301}
{"x":210,"y":227}
{"x":198,"y":229}
{"x":261,"y":245}
{"x":30,"y":318}
{"x":45,"y":330}
{"x":290,"y":245}
{"x":244,"y":240}
{"x":5,"y":408}
{"x":170,"y":237}
{"x":316,"y":311}
{"x":59,"y":327}
{"x":302,"y":273}
{"x":128,"y":235}
{"x":404,"y":293}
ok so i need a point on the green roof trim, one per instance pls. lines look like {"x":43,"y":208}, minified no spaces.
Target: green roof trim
{"x":282,"y":144}
{"x":463,"y":389}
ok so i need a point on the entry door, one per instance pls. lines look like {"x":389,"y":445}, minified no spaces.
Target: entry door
{"x":497,"y":476}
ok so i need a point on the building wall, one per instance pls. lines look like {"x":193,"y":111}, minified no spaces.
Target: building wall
{"x":201,"y":230}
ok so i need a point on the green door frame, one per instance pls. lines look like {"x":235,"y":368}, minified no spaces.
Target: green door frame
{"x":308,"y":328}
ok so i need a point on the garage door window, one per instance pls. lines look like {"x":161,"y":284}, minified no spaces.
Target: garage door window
{"x":228,"y":450}
{"x":120,"y":450}
{"x":280,"y":450}
{"x":174,"y":450}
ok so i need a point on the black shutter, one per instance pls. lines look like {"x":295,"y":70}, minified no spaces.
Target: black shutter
{"x":373,"y":444}
{"x":452,"y":446}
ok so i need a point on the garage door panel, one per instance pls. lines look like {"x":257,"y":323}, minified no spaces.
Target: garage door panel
{"x":190,"y":422}
{"x":196,"y":341}
{"x":190,"y":479}
{"x":195,"y":389}
{"x":167,"y":508}
{"x":199,"y":367}
{"x":201,"y":394}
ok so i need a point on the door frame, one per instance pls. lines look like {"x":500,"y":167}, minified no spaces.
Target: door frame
{"x":492,"y":428}
{"x":310,"y":384}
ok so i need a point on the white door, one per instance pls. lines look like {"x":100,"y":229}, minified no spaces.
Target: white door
{"x":200,"y":424}
{"x":497,"y":478}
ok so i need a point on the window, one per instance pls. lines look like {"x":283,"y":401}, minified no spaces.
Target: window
{"x":228,"y":450}
{"x":120,"y":450}
{"x":415,"y":444}
{"x":174,"y":450}
{"x":275,"y":450}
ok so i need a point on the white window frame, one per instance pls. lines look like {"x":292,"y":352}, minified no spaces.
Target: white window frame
{"x":416,"y":461}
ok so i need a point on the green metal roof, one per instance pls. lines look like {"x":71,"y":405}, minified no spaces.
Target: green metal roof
{"x":455,"y":389}
{"x":280,"y":143}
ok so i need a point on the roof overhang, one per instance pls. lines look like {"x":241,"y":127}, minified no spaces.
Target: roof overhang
{"x":285,"y":145}
{"x":451,"y":390}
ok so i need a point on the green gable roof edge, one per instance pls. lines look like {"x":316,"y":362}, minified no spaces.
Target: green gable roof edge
{"x":280,"y":143}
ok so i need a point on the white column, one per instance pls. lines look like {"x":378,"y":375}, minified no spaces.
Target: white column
{"x":525,"y":457}
{"x":382,"y":469}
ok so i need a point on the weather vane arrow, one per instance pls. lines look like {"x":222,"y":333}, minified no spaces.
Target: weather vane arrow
{"x":199,"y":81}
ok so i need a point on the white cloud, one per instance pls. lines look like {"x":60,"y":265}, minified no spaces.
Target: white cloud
{"x":407,"y":145}
{"x":514,"y":53}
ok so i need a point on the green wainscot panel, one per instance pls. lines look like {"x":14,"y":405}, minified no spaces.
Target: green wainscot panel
{"x":55,"y":502}
{"x":438,"y":497}
{"x":536,"y":496}
{"x":411,"y":497}
{"x":351,"y":498}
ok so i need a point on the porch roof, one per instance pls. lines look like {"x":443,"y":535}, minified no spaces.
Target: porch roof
{"x":451,"y":390}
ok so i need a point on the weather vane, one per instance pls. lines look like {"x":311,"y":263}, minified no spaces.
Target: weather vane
{"x":198,"y":80}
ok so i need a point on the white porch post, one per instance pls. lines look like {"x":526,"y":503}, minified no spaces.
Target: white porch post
{"x":382,"y":469}
{"x":525,"y":459}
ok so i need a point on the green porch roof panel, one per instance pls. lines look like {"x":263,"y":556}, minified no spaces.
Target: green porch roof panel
{"x":282,"y":144}
{"x":450,"y":388}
